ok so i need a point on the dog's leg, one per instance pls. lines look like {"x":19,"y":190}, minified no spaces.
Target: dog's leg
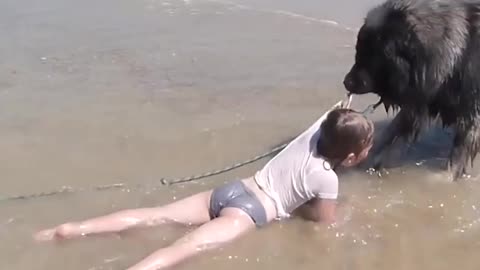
{"x":465,"y":147}
{"x":403,"y":127}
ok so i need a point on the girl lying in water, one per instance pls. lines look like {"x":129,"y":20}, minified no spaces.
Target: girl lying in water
{"x":301,"y":176}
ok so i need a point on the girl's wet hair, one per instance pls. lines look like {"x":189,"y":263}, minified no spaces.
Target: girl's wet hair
{"x":344,"y":131}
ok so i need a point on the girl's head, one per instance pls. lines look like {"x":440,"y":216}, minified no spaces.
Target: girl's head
{"x":346,"y":137}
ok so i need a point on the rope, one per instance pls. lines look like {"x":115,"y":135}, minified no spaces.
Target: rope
{"x":62,"y":190}
{"x":226,"y":169}
{"x":371,"y":108}
{"x":66,"y":190}
{"x":164,"y":181}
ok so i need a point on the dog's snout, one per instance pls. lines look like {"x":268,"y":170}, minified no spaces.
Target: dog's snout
{"x":348,"y":82}
{"x":363,"y":83}
{"x":357,"y":81}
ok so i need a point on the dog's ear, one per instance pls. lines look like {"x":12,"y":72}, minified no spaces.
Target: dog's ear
{"x":405,"y":56}
{"x":399,"y":68}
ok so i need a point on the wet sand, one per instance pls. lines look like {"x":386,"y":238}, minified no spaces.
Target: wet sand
{"x":102,"y":92}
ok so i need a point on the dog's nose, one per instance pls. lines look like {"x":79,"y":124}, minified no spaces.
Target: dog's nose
{"x":348,"y":83}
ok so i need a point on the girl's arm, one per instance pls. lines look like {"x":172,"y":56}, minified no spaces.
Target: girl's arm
{"x":319,"y":210}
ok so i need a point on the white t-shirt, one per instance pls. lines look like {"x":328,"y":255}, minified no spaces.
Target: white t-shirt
{"x":296,"y":174}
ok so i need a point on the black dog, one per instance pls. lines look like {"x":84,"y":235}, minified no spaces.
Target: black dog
{"x":423,"y":58}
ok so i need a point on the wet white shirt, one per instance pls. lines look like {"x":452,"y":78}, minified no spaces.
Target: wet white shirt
{"x":296,"y":174}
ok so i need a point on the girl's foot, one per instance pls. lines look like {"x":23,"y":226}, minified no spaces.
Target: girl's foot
{"x":64,"y":231}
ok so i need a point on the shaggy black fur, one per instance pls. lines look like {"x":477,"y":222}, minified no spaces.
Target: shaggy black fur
{"x":422,"y":57}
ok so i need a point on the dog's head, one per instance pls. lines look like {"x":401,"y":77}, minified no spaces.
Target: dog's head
{"x":386,"y":50}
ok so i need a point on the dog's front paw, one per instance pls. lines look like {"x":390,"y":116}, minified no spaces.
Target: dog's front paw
{"x":457,"y":173}
{"x":457,"y":170}
{"x":379,"y":172}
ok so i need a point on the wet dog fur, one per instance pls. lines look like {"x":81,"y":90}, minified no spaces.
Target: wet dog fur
{"x":422,"y":57}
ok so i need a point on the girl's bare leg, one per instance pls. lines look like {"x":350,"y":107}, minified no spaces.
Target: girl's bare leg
{"x":231,"y":224}
{"x":192,"y":210}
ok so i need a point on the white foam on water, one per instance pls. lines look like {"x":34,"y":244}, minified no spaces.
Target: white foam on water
{"x":286,"y":13}
{"x":307,"y":18}
{"x":224,"y":2}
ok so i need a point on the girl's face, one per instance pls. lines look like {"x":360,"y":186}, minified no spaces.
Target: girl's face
{"x":353,"y":159}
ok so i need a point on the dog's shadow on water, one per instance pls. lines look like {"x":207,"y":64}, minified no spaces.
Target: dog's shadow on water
{"x":431,"y":150}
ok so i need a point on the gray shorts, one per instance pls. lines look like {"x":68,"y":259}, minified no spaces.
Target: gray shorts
{"x":236,"y":195}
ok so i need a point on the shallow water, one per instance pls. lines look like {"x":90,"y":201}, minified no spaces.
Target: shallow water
{"x":102,"y":92}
